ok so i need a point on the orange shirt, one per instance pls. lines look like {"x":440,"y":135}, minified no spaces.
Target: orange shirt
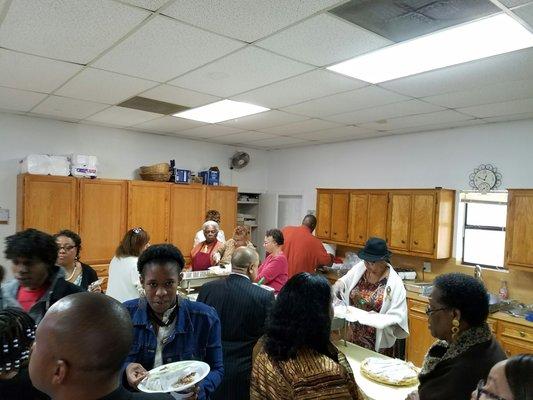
{"x":304,"y":252}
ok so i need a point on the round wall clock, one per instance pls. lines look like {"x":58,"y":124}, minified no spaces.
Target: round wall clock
{"x":485,"y":178}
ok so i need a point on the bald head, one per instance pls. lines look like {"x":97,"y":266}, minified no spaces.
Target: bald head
{"x":89,"y":333}
{"x":309,"y":221}
{"x":243,"y":258}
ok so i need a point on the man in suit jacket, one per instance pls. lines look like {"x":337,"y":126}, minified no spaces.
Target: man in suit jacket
{"x":242,"y":308}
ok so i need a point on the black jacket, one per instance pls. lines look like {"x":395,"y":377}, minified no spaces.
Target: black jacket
{"x":20,"y":388}
{"x":242,"y":308}
{"x":457,"y":378}
{"x":88,"y":276}
{"x":123,"y":394}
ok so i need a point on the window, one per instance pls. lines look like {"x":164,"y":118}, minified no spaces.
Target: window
{"x":485,"y":217}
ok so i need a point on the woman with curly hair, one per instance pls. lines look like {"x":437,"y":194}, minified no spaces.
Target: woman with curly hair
{"x":296,"y":359}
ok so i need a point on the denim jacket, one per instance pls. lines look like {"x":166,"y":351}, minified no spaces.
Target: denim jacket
{"x":196,"y":337}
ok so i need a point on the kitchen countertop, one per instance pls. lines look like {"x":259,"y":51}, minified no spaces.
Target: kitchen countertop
{"x":372,"y":390}
{"x":501,"y":316}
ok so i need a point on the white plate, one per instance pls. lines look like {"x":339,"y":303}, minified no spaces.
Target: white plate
{"x":162,"y":378}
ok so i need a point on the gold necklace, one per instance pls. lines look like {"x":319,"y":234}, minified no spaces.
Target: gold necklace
{"x":73,"y":272}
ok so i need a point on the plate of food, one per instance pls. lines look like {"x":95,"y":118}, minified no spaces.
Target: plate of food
{"x":174,"y":377}
{"x":218,"y":270}
{"x":389,"y":371}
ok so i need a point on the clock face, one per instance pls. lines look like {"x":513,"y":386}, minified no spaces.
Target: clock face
{"x":485,"y":178}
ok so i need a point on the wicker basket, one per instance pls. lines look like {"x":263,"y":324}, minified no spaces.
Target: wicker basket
{"x":157,"y":177}
{"x":161,"y":168}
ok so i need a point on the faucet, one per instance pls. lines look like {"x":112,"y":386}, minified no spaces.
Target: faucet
{"x":477,"y":273}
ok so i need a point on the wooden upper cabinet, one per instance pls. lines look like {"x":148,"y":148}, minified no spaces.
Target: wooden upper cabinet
{"x":323,"y":208}
{"x":378,"y":204}
{"x":357,"y":218}
{"x":339,"y":217}
{"x":102,"y":222}
{"x":187,"y":212}
{"x":519,"y":230}
{"x":224,"y":200}
{"x":399,"y":220}
{"x":423,"y":222}
{"x":148,"y":208}
{"x":47,"y":203}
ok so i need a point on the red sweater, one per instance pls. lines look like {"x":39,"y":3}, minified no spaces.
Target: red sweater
{"x":303,"y":250}
{"x":274,"y":270}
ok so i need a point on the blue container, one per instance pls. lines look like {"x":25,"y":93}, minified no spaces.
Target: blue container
{"x":210,"y":177}
{"x":182,"y":175}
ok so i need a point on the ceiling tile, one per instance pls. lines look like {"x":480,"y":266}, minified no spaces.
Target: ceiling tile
{"x":343,"y":132}
{"x":74,"y":31}
{"x":324,"y":40}
{"x":513,"y":117}
{"x":164,"y":49}
{"x":103,"y":86}
{"x":263,"y":120}
{"x":22,"y":71}
{"x":497,"y":109}
{"x":177,"y":95}
{"x":209,"y":131}
{"x":517,"y":65}
{"x":147,"y":4}
{"x":308,"y":125}
{"x":169,"y":124}
{"x":242,"y":138}
{"x":122,"y":116}
{"x":438,"y":126}
{"x":64,"y":107}
{"x":247,"y":20}
{"x":526,"y":13}
{"x":514,"y":3}
{"x":279,"y":142}
{"x":358,"y":99}
{"x":410,"y":107}
{"x":241,"y":71}
{"x":317,"y":83}
{"x":19,"y":100}
{"x":417,"y":120}
{"x":501,"y":91}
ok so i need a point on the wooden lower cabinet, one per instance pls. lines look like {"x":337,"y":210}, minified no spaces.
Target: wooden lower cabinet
{"x":420,"y":339}
{"x":102,"y":270}
{"x":514,"y":338}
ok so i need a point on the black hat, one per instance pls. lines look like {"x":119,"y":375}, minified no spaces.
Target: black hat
{"x":375,"y":250}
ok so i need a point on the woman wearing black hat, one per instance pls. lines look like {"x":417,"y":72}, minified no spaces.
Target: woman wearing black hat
{"x":373,"y":286}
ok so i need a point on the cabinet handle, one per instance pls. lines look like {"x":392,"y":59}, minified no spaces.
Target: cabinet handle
{"x":522,"y":334}
{"x":335,"y":233}
{"x":360,"y":236}
{"x":403,"y":241}
{"x":415,"y":242}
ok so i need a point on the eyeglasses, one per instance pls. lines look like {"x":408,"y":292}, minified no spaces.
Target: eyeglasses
{"x":486,"y":394}
{"x":430,"y":310}
{"x":66,"y":248}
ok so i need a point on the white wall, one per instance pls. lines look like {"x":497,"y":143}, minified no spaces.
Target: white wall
{"x":120,"y":152}
{"x":424,"y":160}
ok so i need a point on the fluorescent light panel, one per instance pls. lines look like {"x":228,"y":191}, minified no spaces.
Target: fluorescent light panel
{"x":483,"y":38}
{"x":221,"y":111}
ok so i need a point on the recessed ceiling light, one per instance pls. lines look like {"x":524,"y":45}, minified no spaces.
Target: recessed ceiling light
{"x":221,"y":111}
{"x":483,"y":38}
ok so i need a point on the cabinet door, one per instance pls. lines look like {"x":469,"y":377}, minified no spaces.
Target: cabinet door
{"x":47,"y":203}
{"x":224,"y":200}
{"x":519,"y":236}
{"x":339,"y":217}
{"x":420,"y":339}
{"x":103,"y":205}
{"x":515,"y":338}
{"x":423,"y":223}
{"x":377,"y":215}
{"x":187,"y":212}
{"x":358,"y":216}
{"x":148,"y":208}
{"x":323,"y":208}
{"x":400,"y":212}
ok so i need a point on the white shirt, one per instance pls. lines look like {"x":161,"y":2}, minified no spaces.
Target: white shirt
{"x":163,"y":333}
{"x":200,"y":237}
{"x":124,"y":283}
